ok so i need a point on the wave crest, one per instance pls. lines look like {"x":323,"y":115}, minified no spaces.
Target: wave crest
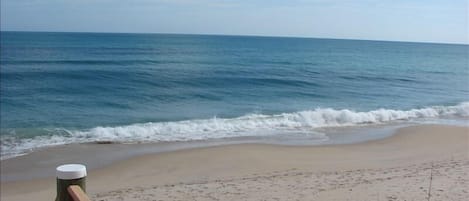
{"x":248,"y":125}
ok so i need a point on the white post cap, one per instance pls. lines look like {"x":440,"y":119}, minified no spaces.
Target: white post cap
{"x":71,"y":171}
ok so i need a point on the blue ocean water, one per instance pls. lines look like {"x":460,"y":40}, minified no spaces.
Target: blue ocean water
{"x":59,"y":88}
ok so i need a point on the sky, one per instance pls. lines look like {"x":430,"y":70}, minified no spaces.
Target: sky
{"x":442,"y":21}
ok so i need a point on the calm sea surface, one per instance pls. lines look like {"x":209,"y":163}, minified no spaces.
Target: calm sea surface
{"x":60,"y":88}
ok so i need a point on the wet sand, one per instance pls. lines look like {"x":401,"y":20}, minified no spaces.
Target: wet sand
{"x":394,"y":168}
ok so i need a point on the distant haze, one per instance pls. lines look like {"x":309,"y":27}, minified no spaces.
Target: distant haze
{"x":443,"y":21}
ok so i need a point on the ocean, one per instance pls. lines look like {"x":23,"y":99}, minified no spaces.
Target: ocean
{"x":67,"y":88}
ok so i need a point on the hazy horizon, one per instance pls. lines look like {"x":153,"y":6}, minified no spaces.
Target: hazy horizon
{"x":267,"y":36}
{"x":435,"y":21}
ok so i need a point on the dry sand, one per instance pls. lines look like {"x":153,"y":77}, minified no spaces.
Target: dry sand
{"x":400,"y":167}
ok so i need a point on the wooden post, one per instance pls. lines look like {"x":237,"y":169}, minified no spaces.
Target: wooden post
{"x":67,"y":175}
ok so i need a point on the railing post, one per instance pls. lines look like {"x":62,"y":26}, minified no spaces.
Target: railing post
{"x":69,"y":174}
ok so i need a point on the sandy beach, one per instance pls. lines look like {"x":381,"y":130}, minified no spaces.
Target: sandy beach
{"x":400,"y":167}
{"x":234,"y":100}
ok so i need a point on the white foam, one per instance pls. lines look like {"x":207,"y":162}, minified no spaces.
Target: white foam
{"x":248,"y":125}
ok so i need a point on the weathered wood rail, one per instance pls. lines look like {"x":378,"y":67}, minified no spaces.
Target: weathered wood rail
{"x":77,"y":193}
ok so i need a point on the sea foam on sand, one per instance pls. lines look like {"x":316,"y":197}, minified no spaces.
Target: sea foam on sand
{"x":216,"y":128}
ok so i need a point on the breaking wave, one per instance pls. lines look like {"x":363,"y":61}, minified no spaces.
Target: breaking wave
{"x":215,"y":128}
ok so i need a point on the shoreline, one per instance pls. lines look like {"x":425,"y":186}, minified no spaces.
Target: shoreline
{"x":293,"y":124}
{"x":411,"y":146}
{"x":19,"y":169}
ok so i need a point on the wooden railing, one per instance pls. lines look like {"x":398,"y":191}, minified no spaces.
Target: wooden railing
{"x":77,"y":193}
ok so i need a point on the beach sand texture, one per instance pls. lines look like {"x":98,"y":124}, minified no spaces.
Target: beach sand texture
{"x":400,"y":167}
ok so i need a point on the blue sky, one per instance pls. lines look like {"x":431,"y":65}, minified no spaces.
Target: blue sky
{"x":399,"y":20}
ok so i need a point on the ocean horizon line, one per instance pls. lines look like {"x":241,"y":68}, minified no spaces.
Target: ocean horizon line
{"x":242,"y":35}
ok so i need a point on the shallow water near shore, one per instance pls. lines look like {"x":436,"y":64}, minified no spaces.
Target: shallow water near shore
{"x":41,"y":163}
{"x":400,"y":163}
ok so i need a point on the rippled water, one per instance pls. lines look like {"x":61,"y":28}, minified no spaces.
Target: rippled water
{"x":61,"y":88}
